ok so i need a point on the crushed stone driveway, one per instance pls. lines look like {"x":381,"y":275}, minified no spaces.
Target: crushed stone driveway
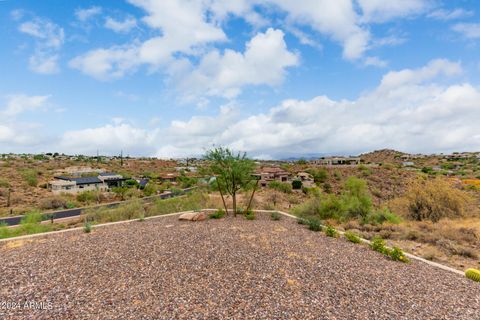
{"x":218,"y":269}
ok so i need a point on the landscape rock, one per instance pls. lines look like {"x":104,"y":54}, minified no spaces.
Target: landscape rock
{"x":193,"y":216}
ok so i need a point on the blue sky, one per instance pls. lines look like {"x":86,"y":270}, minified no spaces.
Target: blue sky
{"x":276,"y":78}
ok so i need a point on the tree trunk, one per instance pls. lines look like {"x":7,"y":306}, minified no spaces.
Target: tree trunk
{"x":234,"y":198}
{"x":251,"y":197}
{"x":223,"y":199}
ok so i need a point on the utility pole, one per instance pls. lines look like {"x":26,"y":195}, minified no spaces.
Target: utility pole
{"x":8,"y":197}
{"x":121,"y":158}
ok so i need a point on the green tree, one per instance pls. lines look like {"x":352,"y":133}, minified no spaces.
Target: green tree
{"x":233,"y":172}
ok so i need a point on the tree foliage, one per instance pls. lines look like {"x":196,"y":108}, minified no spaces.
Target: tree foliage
{"x":233,"y":172}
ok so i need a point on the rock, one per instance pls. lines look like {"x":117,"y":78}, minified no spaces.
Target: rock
{"x":200,"y":216}
{"x":193,"y":216}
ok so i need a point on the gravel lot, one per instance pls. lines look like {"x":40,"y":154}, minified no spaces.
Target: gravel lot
{"x":230,"y":268}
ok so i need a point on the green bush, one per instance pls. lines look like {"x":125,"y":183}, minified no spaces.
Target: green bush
{"x":327,"y":187}
{"x":280,"y":186}
{"x":150,"y":189}
{"x":297,"y":184}
{"x":331,"y":232}
{"x":275,"y":216}
{"x":352,"y":237}
{"x":378,"y":244}
{"x":302,"y":221}
{"x":473,"y":274}
{"x":396,"y":254}
{"x":220,"y":213}
{"x":32,"y":217}
{"x":356,"y":198}
{"x":249,"y":215}
{"x":381,"y":216}
{"x":314,"y":225}
{"x":319,"y":175}
{"x":87,"y":227}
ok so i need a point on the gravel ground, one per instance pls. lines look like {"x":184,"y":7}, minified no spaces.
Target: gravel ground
{"x":230,"y":268}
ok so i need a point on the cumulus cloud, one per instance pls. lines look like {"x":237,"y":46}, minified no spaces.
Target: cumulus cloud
{"x":468,"y":30}
{"x":412,"y":110}
{"x":84,"y":14}
{"x":121,"y":26}
{"x":49,"y":39}
{"x":264,"y":62}
{"x":17,"y":104}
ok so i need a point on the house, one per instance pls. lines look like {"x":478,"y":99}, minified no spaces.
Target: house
{"x":102,"y":182}
{"x":266,"y":175}
{"x":337,"y":161}
{"x":169,"y":177}
{"x":408,"y":164}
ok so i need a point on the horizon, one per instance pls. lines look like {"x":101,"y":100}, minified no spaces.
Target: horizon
{"x":277,"y":79}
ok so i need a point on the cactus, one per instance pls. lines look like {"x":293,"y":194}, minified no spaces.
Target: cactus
{"x":473,"y":274}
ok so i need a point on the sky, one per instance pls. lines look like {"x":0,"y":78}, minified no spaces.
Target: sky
{"x":273,"y":78}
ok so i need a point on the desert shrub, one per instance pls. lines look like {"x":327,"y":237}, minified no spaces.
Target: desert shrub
{"x":70,"y":205}
{"x":473,"y":274}
{"x":356,"y":198}
{"x":396,"y":254}
{"x":338,"y":175}
{"x":141,"y":218}
{"x":435,"y":199}
{"x":150,"y":189}
{"x":280,"y":186}
{"x":297,"y":184}
{"x":53,"y":203}
{"x":32,"y":217}
{"x":314,"y":224}
{"x":192,"y":201}
{"x":131,"y":183}
{"x":302,"y":221}
{"x":380,"y":216}
{"x":249,"y":215}
{"x":352,"y":237}
{"x":331,"y":232}
{"x":365,"y":171}
{"x":30,"y":176}
{"x":127,"y":211}
{"x":275,"y":216}
{"x":220,"y":213}
{"x":87,"y":227}
{"x":89,"y":196}
{"x":133,"y":193}
{"x":378,"y":244}
{"x":319,"y":175}
{"x":186,"y":182}
{"x":327,"y":187}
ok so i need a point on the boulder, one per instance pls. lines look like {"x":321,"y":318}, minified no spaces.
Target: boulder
{"x":193,"y":216}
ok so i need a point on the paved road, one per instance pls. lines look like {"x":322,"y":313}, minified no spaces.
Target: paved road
{"x":69,"y":213}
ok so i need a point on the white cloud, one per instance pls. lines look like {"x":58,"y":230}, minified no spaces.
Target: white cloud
{"x":443,"y":14}
{"x":107,"y":64}
{"x":17,"y":104}
{"x":85,"y":14}
{"x":468,"y":30}
{"x":49,"y":39}
{"x":382,"y":11}
{"x":121,"y":26}
{"x":375,"y":62}
{"x":15,"y":133}
{"x":264,"y":62}
{"x":410,"y":110}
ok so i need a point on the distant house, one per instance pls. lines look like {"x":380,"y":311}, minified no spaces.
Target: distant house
{"x":102,"y":182}
{"x":338,"y":161}
{"x":169,"y":177}
{"x":408,"y":164}
{"x":266,"y":175}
